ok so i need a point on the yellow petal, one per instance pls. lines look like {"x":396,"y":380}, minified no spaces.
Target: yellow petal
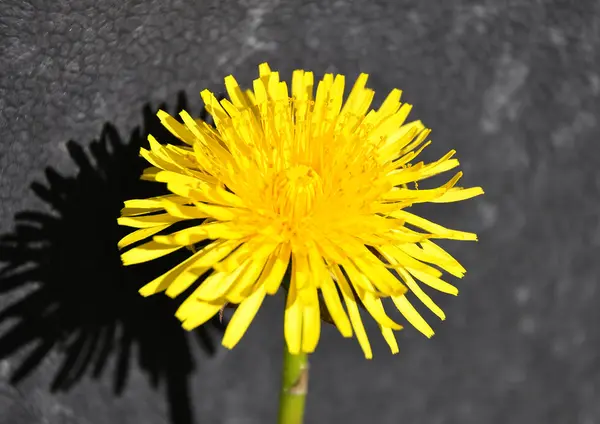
{"x":147,"y":221}
{"x":210,"y":230}
{"x":321,"y":98}
{"x":411,"y":314}
{"x":216,"y":252}
{"x":388,"y":125}
{"x":354,"y":313}
{"x":139,"y":235}
{"x":336,"y":98}
{"x":399,"y":138}
{"x":374,"y":305}
{"x":177,"y":280}
{"x":330,"y":251}
{"x":217,"y":284}
{"x":185,"y":237}
{"x":434,"y":282}
{"x":275,"y":268}
{"x":421,"y":295}
{"x":388,"y":335}
{"x":264,"y":70}
{"x":184,"y":212}
{"x":242,"y":287}
{"x":176,"y":128}
{"x":251,"y":97}
{"x":217,"y":194}
{"x":149,"y":174}
{"x":157,"y":161}
{"x":300,"y":271}
{"x":391,"y":104}
{"x":184,"y":280}
{"x":334,"y":306}
{"x":316,"y":265}
{"x":213,"y":107}
{"x":253,"y":248}
{"x":163,"y":281}
{"x":375,"y":308}
{"x":176,"y":177}
{"x":261,"y":96}
{"x":433,"y":228}
{"x":399,"y":259}
{"x":139,"y":206}
{"x":357,"y":279}
{"x":418,"y":141}
{"x":147,"y":252}
{"x":406,"y":175}
{"x":236,"y":95}
{"x":353,"y":103}
{"x":242,"y":317}
{"x":293,"y":321}
{"x":322,"y":279}
{"x":420,"y":254}
{"x":311,"y":323}
{"x":201,"y":313}
{"x":379,"y":275}
{"x":458,"y":194}
{"x":218,"y":212}
{"x":433,"y":249}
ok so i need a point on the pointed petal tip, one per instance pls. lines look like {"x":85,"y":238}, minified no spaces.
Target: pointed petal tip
{"x":346,"y":333}
{"x":186,"y":325}
{"x":145,"y":292}
{"x":395,"y":327}
{"x":180,"y":314}
{"x":127,"y":262}
{"x":294,"y":351}
{"x":172,"y":294}
{"x":227,"y":345}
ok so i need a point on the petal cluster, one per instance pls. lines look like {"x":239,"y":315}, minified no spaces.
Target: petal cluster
{"x":297,"y":181}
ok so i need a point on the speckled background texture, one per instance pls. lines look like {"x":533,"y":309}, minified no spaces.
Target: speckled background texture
{"x":513,"y":85}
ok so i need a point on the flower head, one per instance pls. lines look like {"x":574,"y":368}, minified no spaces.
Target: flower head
{"x":306,"y":184}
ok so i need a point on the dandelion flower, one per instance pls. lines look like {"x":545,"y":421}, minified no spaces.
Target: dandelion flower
{"x":304,"y":184}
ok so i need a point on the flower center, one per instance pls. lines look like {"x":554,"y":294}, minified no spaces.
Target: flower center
{"x":295,"y":190}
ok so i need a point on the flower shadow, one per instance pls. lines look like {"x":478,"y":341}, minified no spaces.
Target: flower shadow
{"x":81,"y":300}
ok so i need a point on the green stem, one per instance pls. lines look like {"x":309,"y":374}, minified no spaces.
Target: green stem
{"x":293,"y":389}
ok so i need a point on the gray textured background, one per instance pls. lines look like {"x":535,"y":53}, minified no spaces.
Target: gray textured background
{"x":514,"y":86}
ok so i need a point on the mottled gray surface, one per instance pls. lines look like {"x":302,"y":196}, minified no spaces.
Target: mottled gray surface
{"x":514,"y":86}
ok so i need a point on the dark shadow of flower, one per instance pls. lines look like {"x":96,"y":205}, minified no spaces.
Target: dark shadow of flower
{"x":81,"y":300}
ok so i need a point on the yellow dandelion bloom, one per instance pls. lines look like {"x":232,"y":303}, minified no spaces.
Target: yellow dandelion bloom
{"x":302,"y":183}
